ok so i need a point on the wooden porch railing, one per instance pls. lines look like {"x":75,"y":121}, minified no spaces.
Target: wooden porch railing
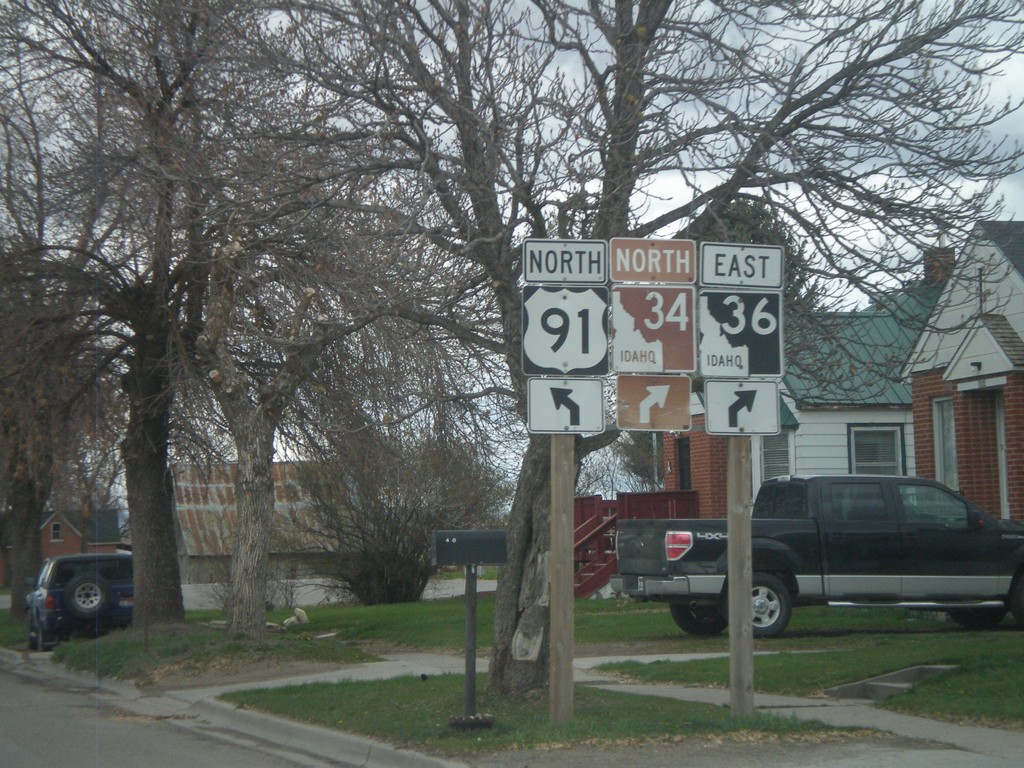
{"x":595,"y":521}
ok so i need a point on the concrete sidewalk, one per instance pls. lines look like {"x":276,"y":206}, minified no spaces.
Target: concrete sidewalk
{"x":200,"y":709}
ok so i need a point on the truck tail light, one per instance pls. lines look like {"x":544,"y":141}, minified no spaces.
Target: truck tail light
{"x":677,"y":544}
{"x":51,"y":602}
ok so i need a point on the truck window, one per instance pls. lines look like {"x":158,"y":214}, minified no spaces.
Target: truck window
{"x":783,"y":501}
{"x":927,"y":504}
{"x":858,"y":502}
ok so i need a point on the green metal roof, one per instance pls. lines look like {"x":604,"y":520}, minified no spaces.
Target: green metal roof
{"x":854,"y":358}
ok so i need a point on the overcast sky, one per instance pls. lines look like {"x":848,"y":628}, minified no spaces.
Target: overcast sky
{"x":1011,"y":85}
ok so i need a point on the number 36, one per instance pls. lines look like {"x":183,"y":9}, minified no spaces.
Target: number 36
{"x":762,"y":322}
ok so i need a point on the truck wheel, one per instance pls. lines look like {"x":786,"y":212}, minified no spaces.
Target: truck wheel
{"x":978,"y":618}
{"x":773,"y":605}
{"x":1016,"y":603}
{"x":699,"y":620}
{"x":86,"y":596}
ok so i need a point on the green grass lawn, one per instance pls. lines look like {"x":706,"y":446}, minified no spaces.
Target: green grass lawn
{"x":823,"y":647}
{"x":987,"y":684}
{"x":416,"y":715}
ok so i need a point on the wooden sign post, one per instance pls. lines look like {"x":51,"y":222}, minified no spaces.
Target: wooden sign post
{"x":563,"y":480}
{"x":741,"y":629}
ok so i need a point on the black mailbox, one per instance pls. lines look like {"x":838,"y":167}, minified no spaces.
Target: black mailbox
{"x":469,"y":548}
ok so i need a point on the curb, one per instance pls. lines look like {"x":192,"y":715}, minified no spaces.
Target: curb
{"x":201,"y":711}
{"x":326,"y":743}
{"x":220,"y":719}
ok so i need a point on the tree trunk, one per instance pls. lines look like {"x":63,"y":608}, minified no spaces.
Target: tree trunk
{"x":254,"y":502}
{"x":26,"y":501}
{"x":520,"y":655}
{"x":149,"y":485}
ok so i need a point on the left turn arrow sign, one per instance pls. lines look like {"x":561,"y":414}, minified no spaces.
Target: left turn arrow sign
{"x":555,"y":406}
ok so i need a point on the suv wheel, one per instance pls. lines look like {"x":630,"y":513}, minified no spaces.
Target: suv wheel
{"x":86,"y":596}
{"x":37,"y":640}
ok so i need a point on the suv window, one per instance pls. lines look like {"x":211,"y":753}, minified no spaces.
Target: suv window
{"x":111,"y":569}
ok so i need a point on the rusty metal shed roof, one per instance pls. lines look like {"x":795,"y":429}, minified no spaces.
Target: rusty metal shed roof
{"x":204,"y":500}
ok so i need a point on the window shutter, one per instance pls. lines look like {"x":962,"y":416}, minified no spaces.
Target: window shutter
{"x":775,"y":455}
{"x":876,"y":451}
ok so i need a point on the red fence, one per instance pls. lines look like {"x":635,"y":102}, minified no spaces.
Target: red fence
{"x":595,"y":520}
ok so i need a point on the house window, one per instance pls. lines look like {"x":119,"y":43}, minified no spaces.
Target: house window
{"x":775,"y":455}
{"x":56,"y":532}
{"x":876,"y":450}
{"x":945,"y":442}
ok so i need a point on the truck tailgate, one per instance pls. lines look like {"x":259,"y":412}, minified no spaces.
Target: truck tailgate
{"x":641,"y":546}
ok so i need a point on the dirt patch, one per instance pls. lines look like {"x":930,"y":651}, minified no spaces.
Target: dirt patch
{"x":243,"y":665}
{"x":234,"y":672}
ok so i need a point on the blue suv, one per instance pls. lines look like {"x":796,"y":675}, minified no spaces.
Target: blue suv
{"x":79,"y":594}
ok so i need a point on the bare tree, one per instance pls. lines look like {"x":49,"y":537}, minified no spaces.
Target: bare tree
{"x":864,"y":126}
{"x":210,"y":205}
{"x":132,"y":78}
{"x":376,"y":502}
{"x":48,"y":379}
{"x":449,"y":130}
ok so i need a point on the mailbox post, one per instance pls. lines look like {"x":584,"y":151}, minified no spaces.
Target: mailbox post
{"x":471,"y":549}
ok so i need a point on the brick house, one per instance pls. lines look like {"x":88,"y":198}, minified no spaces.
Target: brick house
{"x":59,"y":536}
{"x":967,"y":374}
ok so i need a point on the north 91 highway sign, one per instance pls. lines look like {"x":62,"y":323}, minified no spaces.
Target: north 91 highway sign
{"x":565,"y":331}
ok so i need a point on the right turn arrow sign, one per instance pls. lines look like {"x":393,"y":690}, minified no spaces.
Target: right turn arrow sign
{"x":741,"y":407}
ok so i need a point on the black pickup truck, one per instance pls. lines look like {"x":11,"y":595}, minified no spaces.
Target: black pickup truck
{"x":853,"y":540}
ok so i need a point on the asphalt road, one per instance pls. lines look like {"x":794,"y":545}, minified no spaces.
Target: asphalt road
{"x":51,"y":718}
{"x":46,"y":723}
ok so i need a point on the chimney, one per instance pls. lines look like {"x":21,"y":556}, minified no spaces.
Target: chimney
{"x":938,"y":264}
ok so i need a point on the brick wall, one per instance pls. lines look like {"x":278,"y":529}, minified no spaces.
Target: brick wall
{"x":926,"y":387}
{"x":1013,"y":408}
{"x":977,"y":458}
{"x":708,"y":460}
{"x":974,"y":414}
{"x":70,"y":543}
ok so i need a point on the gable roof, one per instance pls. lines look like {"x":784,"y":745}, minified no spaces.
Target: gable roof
{"x":990,"y":347}
{"x":1007,"y":339}
{"x":104,"y":527}
{"x":1008,"y":236}
{"x":856,"y":358}
{"x":60,"y":517}
{"x":204,"y":505}
{"x":979,"y":319}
